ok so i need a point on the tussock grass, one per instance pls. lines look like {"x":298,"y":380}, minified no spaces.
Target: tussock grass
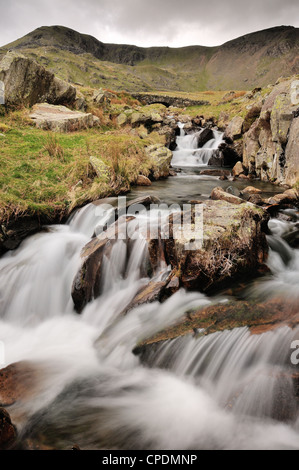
{"x":48,"y":174}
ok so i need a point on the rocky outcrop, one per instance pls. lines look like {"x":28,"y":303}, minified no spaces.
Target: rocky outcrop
{"x":292,"y":154}
{"x":61,"y":119}
{"x":270,"y":148}
{"x":27,"y":83}
{"x":233,"y":243}
{"x":166,"y":100}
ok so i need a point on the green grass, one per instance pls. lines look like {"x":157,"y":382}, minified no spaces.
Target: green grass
{"x":49,"y":174}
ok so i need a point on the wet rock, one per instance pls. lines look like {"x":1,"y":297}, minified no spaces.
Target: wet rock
{"x":204,"y":136}
{"x":219,"y":194}
{"x":86,"y":284}
{"x":8,"y":433}
{"x":143,"y":181}
{"x":227,"y":155}
{"x":60,"y":119}
{"x":238,"y":169}
{"x":254,"y":199}
{"x":290,"y":196}
{"x":173,"y":285}
{"x":15,"y":231}
{"x":17,"y":382}
{"x":260,"y":317}
{"x":152,"y":292}
{"x":251,"y":190}
{"x":218,"y":172}
{"x":233,"y":190}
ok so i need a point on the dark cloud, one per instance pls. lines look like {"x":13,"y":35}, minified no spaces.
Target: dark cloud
{"x":148,"y":22}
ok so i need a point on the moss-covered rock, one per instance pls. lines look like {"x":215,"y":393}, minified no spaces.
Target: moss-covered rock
{"x":161,"y":157}
{"x":233,"y":243}
{"x":102,"y":170}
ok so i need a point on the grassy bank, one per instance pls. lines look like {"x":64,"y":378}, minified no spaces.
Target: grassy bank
{"x":48,"y":174}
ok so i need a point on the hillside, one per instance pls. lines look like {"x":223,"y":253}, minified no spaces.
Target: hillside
{"x":252,"y":60}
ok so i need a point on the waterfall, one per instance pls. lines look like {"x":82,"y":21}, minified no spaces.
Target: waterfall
{"x":227,"y":390}
{"x":187,"y":153}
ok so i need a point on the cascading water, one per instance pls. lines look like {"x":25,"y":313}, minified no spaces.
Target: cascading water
{"x":187,"y":153}
{"x":228,"y":390}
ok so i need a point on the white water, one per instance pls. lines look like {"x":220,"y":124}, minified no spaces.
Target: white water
{"x":221,"y":391}
{"x":284,"y":264}
{"x":187,"y":154}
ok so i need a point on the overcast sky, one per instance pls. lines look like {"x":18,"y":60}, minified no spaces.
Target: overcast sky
{"x":148,"y":22}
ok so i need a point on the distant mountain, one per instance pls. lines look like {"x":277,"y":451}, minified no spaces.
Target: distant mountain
{"x":253,"y":60}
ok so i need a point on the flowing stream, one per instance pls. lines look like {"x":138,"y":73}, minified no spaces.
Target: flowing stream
{"x":222,"y":391}
{"x":187,"y":153}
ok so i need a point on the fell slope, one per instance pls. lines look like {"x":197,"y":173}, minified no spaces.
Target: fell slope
{"x":252,"y":60}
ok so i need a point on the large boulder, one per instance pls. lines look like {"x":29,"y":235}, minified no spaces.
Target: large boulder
{"x":234,"y":128}
{"x":27,"y":83}
{"x":61,"y":119}
{"x":233,"y":243}
{"x":204,"y":136}
{"x":161,"y":157}
{"x":143,"y":181}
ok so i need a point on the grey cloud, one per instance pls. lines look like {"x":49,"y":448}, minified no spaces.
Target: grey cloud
{"x":148,"y":22}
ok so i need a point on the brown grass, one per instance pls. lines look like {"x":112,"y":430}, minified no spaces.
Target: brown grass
{"x":53,"y":147}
